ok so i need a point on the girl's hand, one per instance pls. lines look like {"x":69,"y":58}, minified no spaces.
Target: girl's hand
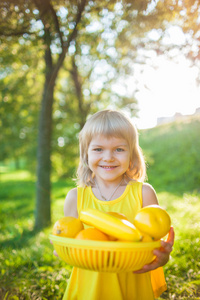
{"x":162,"y":254}
{"x":54,"y":251}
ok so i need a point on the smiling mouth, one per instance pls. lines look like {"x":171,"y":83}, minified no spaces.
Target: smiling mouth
{"x":108,"y":167}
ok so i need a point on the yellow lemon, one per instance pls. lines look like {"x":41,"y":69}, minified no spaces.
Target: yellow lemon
{"x":67,"y":227}
{"x":153,"y":220}
{"x":146,"y":238}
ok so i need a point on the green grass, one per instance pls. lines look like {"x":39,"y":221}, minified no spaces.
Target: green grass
{"x":172,"y":154}
{"x":30,"y":271}
{"x":183,"y":270}
{"x":28,"y":268}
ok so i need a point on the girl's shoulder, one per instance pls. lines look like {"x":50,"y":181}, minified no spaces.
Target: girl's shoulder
{"x":148,"y":195}
{"x":72,"y":193}
{"x":70,"y":205}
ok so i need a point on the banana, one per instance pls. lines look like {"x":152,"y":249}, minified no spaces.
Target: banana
{"x":111,"y":225}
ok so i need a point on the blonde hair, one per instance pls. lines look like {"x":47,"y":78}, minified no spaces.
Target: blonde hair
{"x":110,"y":123}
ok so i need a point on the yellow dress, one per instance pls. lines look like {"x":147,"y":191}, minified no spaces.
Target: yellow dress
{"x":90,"y":285}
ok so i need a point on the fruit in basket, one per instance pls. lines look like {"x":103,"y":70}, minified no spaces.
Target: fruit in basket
{"x":153,"y":220}
{"x":119,"y":216}
{"x":92,"y":234}
{"x":118,"y":228}
{"x":147,"y":238}
{"x":67,"y":227}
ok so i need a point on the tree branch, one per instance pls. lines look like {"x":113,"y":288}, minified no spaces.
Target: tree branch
{"x":81,"y":8}
{"x":71,"y":37}
{"x":14,"y":33}
{"x":56,"y":22}
{"x":42,"y":7}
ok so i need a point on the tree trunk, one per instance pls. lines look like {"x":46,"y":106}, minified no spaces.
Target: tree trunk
{"x":43,"y":188}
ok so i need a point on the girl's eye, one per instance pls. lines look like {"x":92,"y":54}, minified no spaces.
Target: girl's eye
{"x":98,"y":149}
{"x":119,"y":149}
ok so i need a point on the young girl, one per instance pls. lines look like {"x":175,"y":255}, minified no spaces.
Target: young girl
{"x":110,"y":178}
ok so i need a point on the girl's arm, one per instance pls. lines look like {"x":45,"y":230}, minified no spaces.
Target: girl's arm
{"x":162,"y":254}
{"x":70,"y":205}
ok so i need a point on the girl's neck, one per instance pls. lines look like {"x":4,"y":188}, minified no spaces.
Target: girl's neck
{"x":108,"y":191}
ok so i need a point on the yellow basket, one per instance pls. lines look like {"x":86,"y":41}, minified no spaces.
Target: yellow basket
{"x":105,"y":256}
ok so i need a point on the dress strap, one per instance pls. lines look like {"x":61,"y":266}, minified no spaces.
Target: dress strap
{"x":80,"y":191}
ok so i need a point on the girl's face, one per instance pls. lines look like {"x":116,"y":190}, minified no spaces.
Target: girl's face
{"x":108,"y":158}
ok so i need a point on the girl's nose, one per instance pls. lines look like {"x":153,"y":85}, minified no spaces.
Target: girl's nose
{"x":108,"y":156}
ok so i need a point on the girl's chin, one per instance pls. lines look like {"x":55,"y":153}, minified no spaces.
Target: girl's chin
{"x":109,"y":177}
